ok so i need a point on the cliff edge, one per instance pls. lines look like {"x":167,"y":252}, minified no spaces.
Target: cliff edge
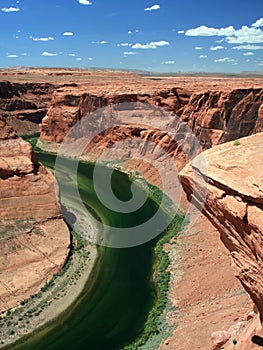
{"x":234,"y":205}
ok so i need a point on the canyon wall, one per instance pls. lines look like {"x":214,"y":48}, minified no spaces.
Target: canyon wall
{"x":24,"y":105}
{"x":215,"y":117}
{"x":34,"y":240}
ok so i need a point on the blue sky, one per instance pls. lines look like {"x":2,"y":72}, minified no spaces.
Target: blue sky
{"x":161,"y":35}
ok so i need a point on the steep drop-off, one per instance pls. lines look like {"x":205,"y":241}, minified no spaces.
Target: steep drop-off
{"x":234,"y":204}
{"x":34,"y":240}
{"x":214,"y":117}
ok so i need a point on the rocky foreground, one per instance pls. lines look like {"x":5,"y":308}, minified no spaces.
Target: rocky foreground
{"x":234,"y":205}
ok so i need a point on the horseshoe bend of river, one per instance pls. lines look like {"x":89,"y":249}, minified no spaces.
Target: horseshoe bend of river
{"x":112,"y":309}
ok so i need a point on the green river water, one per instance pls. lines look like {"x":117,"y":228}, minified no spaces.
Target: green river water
{"x":113,"y":307}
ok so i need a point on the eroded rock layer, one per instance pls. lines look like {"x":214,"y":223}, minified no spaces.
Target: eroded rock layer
{"x":24,"y":105}
{"x":34,"y":240}
{"x":214,"y":117}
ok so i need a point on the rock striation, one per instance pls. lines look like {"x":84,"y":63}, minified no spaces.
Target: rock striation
{"x":34,"y":240}
{"x":215,"y":117}
{"x":233,"y":181}
{"x":24,"y":105}
{"x":220,"y":116}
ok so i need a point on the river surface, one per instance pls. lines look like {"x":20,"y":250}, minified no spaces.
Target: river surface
{"x":112,"y":309}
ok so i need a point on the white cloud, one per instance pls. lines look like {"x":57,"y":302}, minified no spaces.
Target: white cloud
{"x":168,"y":62}
{"x":127,"y":53}
{"x":202,"y":56}
{"x":123,"y":44}
{"x":152,"y":8}
{"x":248,"y":47}
{"x":246,"y":35}
{"x":49,"y":38}
{"x":72,"y":54}
{"x":24,"y":54}
{"x":129,"y":32}
{"x":180,"y":32}
{"x":12,"y":56}
{"x":90,"y":58}
{"x":258,"y":23}
{"x":78,"y":59}
{"x":248,"y":54}
{"x":215,"y":48}
{"x":198,"y":48}
{"x":252,"y":35}
{"x":103,"y":42}
{"x":210,"y":31}
{"x":151,"y":45}
{"x":68,"y":33}
{"x":225,"y":59}
{"x":260,"y":63}
{"x":85,"y":2}
{"x":10,"y":9}
{"x":45,"y":53}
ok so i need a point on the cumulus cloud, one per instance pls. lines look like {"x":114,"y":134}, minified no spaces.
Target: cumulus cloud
{"x":90,"y":59}
{"x":78,"y":59}
{"x":151,"y":45}
{"x":12,"y":56}
{"x":129,"y":32}
{"x":210,"y":31}
{"x":85,"y":2}
{"x":168,"y":62}
{"x":103,"y":42}
{"x":245,"y":34}
{"x":10,"y":9}
{"x":215,"y":48}
{"x":153,"y":8}
{"x":202,"y":56}
{"x":248,"y":47}
{"x":68,"y":33}
{"x":45,"y":53}
{"x":225,"y":59}
{"x":180,"y":32}
{"x":248,"y":53}
{"x":72,"y":54}
{"x":258,"y":23}
{"x":198,"y":48}
{"x":24,"y":54}
{"x":49,"y":38}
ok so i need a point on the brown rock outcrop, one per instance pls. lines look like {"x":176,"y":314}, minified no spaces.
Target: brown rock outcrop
{"x":34,"y":240}
{"x":25,"y":105}
{"x":219,"y":116}
{"x":234,"y":204}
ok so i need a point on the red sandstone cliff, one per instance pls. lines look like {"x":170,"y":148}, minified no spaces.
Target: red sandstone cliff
{"x":214,"y":116}
{"x":34,"y":240}
{"x":234,"y":204}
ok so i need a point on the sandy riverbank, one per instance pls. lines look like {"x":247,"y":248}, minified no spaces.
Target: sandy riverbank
{"x":48,"y":305}
{"x":203,"y":289}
